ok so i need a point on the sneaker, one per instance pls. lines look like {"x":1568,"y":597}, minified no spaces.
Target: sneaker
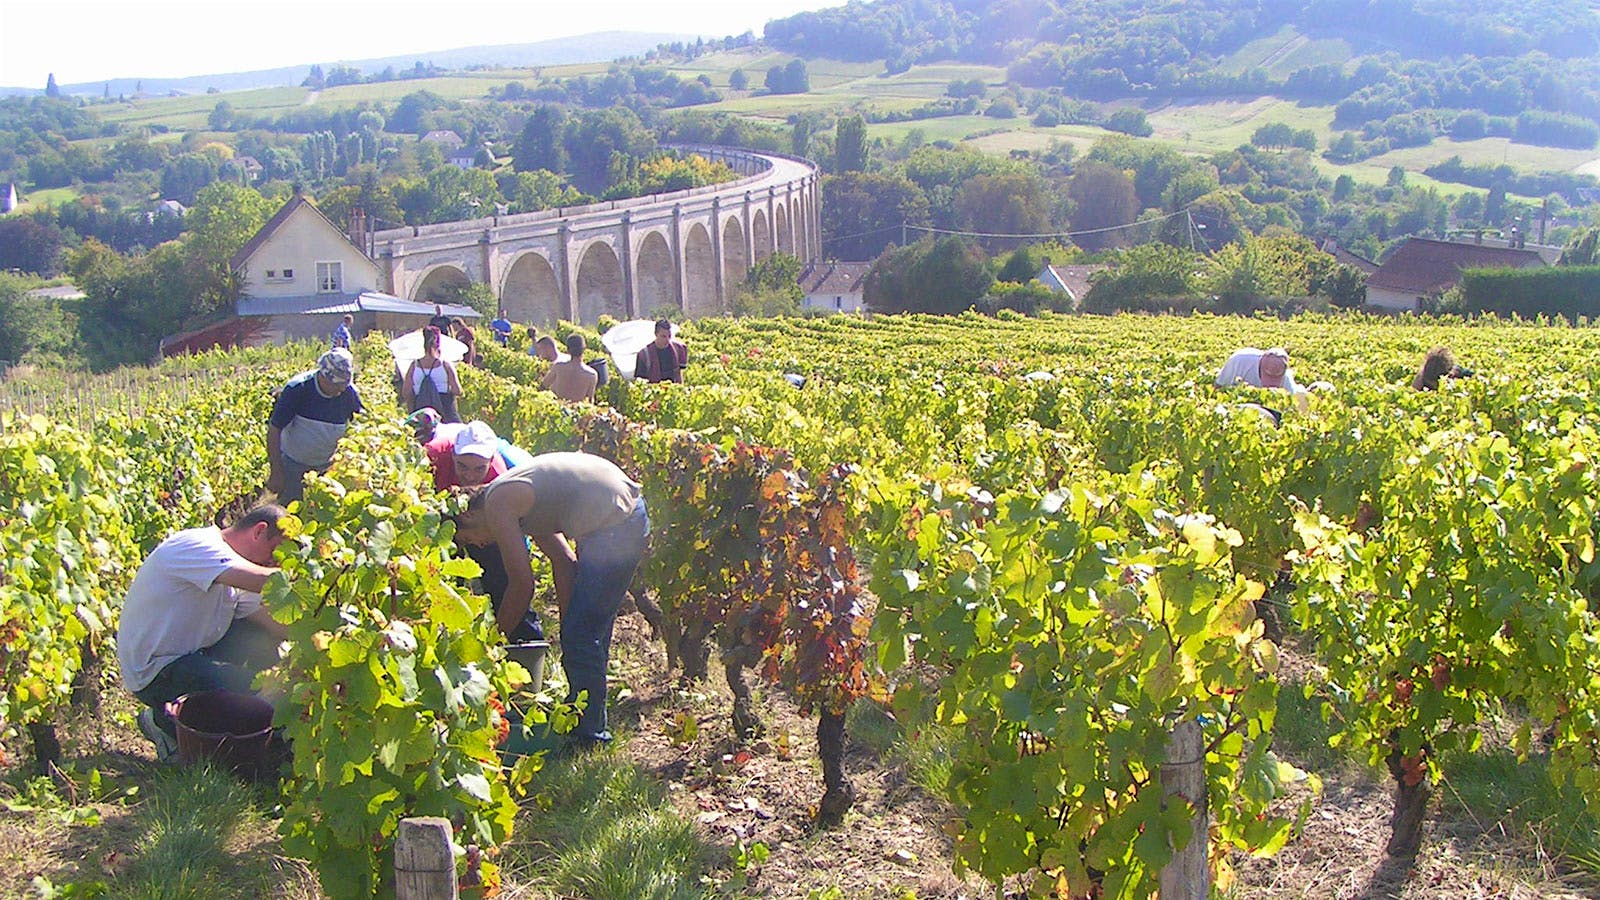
{"x":166,"y":745}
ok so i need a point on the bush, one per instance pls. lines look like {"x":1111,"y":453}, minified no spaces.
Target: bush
{"x":1567,"y":291}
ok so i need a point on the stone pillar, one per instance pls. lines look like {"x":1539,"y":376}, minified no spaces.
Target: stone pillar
{"x":566,"y":277}
{"x":749,"y":233}
{"x":717,"y":251}
{"x":772,"y":220}
{"x":630,"y":303}
{"x":486,"y":259}
{"x":680,"y":259}
{"x":814,"y":223}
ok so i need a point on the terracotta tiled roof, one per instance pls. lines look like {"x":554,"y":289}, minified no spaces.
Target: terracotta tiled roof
{"x":1421,"y":266}
{"x":836,"y":278}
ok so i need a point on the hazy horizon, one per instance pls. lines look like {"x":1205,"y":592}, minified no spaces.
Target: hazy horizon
{"x":102,"y":40}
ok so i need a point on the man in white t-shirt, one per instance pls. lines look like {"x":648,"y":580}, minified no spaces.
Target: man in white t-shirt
{"x":1259,"y":368}
{"x":193,"y":620}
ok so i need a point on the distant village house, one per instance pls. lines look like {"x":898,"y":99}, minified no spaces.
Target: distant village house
{"x":833,"y":286}
{"x":301,"y":274}
{"x":1421,"y":268}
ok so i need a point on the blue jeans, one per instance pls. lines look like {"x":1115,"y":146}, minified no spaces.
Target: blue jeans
{"x":607,"y":560}
{"x":230,"y":664}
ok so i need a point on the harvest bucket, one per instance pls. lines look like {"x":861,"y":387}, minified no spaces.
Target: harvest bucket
{"x":531,"y":655}
{"x":232,"y":730}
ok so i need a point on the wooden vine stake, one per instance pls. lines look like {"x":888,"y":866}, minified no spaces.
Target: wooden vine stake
{"x":424,"y":864}
{"x":1188,"y":875}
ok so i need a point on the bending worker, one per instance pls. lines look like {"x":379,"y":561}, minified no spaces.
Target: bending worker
{"x":589,"y":518}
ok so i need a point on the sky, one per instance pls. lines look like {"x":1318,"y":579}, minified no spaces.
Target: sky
{"x":82,"y":41}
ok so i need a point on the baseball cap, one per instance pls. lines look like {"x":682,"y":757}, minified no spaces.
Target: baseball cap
{"x":337,"y":365}
{"x":477,"y":439}
{"x":424,"y":420}
{"x":1273,"y":366}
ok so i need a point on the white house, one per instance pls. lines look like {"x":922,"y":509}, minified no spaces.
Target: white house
{"x":833,"y":286}
{"x":299,"y":275}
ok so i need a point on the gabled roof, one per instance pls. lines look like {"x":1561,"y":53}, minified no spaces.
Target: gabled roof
{"x":1074,"y":280}
{"x":1346,"y":258}
{"x":276,"y":222}
{"x":333,"y":304}
{"x":442,"y":137}
{"x":1423,"y":266}
{"x":837,"y":278}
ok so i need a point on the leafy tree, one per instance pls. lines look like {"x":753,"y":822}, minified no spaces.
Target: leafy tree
{"x":1583,"y":249}
{"x":1102,"y":199}
{"x":51,"y":90}
{"x":1029,"y":298}
{"x":1003,"y":107}
{"x":1021,"y":266}
{"x":738,"y":80}
{"x":800,"y":135}
{"x":1242,"y":273}
{"x":29,"y":244}
{"x":789,"y":79}
{"x":221,"y":117}
{"x":850,"y":144}
{"x":133,"y":303}
{"x":314,"y":79}
{"x":1010,"y":203}
{"x":945,"y":275}
{"x":1130,"y":120}
{"x":594,"y":136}
{"x":868,"y":211}
{"x":1220,"y":217}
{"x":541,"y":144}
{"x":770,"y":288}
{"x":35,"y":328}
{"x":538,"y":190}
{"x":1273,"y":135}
{"x":1140,"y":274}
{"x":224,"y":217}
{"x":183,"y":177}
{"x":408,"y":116}
{"x":795,"y":77}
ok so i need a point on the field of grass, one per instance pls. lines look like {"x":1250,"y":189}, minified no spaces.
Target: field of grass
{"x":1285,"y":51}
{"x":1214,"y":125}
{"x":47,"y":197}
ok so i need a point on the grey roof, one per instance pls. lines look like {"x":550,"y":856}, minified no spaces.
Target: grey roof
{"x":59,"y":292}
{"x":336,"y":304}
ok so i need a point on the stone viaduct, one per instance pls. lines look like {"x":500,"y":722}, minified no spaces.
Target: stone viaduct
{"x":683,"y":251}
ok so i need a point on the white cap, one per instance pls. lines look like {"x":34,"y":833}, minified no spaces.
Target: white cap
{"x":477,"y":439}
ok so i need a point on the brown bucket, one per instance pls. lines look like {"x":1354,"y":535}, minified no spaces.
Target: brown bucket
{"x":226,"y":728}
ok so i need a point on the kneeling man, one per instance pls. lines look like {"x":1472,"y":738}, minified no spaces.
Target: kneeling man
{"x":193,"y":620}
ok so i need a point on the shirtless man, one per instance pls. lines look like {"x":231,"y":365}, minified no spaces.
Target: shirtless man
{"x":572,"y":379}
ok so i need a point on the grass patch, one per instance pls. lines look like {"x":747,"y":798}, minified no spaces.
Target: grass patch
{"x":1301,"y":732}
{"x":603,"y":829}
{"x":1516,"y":798}
{"x":187,"y":822}
{"x":925,"y":752}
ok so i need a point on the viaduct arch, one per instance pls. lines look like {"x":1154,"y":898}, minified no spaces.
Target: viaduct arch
{"x":679,"y":253}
